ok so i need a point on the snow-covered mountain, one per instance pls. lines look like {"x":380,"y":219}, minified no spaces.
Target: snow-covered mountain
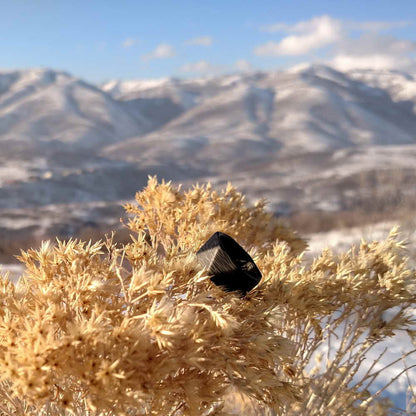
{"x":400,"y":86}
{"x":43,"y":111}
{"x":306,"y":139}
{"x":256,"y":118}
{"x":53,"y":127}
{"x":297,"y":137}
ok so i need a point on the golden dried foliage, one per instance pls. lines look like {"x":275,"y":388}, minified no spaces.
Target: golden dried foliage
{"x":139,"y":329}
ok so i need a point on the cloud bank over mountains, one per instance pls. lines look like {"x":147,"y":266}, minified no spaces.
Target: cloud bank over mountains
{"x":321,"y":39}
{"x":344,"y":44}
{"x":303,"y":37}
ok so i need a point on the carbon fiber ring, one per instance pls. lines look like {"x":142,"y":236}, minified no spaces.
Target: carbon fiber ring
{"x":230,"y":265}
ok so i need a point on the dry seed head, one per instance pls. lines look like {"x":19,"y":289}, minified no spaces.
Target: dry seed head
{"x":140,"y":329}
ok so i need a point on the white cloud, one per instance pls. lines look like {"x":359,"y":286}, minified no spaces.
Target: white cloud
{"x":375,"y":61}
{"x":307,"y":36}
{"x":375,"y":51}
{"x":162,"y":51}
{"x":201,"y":41}
{"x":369,"y":26}
{"x":372,"y":49}
{"x":129,"y":42}
{"x":243,"y":65}
{"x":201,"y":67}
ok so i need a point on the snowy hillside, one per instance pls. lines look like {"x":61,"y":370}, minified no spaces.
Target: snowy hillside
{"x":297,"y":137}
{"x":400,"y":86}
{"x":305,"y":110}
{"x":44,"y":109}
{"x":53,"y":124}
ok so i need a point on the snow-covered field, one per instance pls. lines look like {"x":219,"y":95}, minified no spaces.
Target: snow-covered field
{"x":343,"y":239}
{"x":393,"y":349}
{"x":13,"y":270}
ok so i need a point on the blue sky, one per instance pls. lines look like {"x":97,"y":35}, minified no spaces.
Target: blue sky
{"x":101,"y":40}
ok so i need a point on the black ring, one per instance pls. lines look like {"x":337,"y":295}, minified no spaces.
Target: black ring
{"x":230,"y":265}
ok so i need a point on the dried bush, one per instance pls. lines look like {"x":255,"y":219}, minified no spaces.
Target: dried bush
{"x":139,"y":328}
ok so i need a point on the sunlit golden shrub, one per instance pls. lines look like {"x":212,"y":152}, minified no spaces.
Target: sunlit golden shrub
{"x":139,"y":329}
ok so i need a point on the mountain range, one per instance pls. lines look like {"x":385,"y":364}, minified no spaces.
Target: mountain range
{"x":308,"y":139}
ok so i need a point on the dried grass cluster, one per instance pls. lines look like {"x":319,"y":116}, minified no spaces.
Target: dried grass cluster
{"x":139,"y":329}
